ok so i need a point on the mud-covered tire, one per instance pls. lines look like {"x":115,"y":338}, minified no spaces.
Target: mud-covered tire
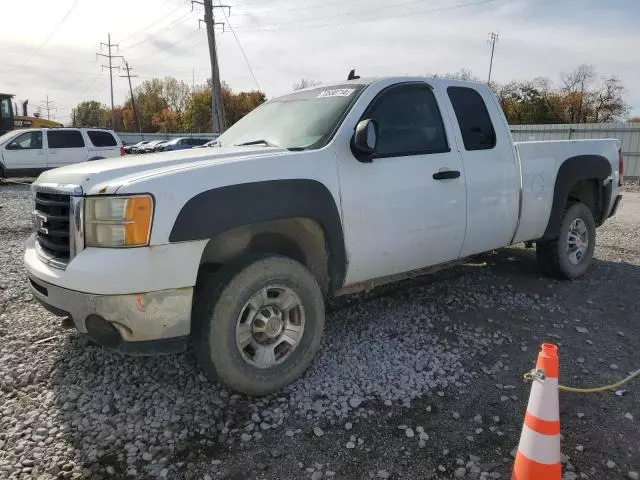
{"x":222,"y":296}
{"x":552,"y":255}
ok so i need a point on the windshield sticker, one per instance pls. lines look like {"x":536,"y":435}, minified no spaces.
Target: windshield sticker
{"x":336,"y":92}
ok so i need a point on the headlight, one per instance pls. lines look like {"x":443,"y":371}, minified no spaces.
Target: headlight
{"x":118,"y":221}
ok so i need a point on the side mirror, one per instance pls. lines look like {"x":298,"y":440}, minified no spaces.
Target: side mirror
{"x":13,"y":146}
{"x":365,"y":137}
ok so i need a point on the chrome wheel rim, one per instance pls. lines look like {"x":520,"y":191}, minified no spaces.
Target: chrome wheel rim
{"x":577,"y":241}
{"x":270,"y":326}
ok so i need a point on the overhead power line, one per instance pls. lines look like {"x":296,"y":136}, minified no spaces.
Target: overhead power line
{"x":155,"y":22}
{"x":244,"y":54}
{"x":272,"y":11}
{"x":294,"y":25}
{"x":167,"y":46}
{"x":53,"y":32}
{"x":168,"y":27}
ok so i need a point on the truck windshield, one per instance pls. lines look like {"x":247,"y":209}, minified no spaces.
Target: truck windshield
{"x":300,"y":120}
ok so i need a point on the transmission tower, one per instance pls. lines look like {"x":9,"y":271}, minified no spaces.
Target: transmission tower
{"x":48,"y":105}
{"x":109,"y":46}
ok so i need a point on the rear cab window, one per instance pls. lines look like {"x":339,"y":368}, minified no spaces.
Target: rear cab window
{"x":65,"y":139}
{"x":473,"y":118}
{"x":100,"y":138}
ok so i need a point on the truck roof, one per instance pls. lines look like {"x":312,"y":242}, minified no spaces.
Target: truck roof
{"x":371,"y":80}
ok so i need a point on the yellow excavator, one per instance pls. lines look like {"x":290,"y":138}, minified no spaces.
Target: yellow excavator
{"x":9,"y":121}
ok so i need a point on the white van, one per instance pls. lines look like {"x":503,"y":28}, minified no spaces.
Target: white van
{"x":29,"y":152}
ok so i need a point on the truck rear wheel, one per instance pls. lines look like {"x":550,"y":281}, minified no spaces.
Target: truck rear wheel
{"x":258,"y":323}
{"x":569,"y":255}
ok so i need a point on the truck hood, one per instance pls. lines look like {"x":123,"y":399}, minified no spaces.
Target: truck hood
{"x":109,"y":174}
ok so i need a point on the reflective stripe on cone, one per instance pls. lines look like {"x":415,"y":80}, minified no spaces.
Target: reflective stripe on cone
{"x":525,"y":469}
{"x":543,"y":399}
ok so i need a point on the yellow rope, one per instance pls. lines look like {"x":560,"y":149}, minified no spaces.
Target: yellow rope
{"x":540,"y":374}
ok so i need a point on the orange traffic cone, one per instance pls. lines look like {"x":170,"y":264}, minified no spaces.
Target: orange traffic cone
{"x":538,"y":456}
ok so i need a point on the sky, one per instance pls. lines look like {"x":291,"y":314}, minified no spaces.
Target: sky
{"x":49,"y":47}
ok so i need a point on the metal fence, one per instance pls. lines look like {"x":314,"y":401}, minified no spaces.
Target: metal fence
{"x":627,"y":133}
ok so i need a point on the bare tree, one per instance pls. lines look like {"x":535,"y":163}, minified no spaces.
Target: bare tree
{"x":608,"y":101}
{"x":574,"y":88}
{"x":306,"y":83}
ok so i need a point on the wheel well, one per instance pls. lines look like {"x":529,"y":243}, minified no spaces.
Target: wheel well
{"x":588,"y":192}
{"x":300,"y":239}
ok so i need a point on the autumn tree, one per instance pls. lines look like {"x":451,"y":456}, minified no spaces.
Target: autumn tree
{"x":166,"y":120}
{"x":237,"y":105}
{"x":88,"y":114}
{"x":574,"y":91}
{"x":197,"y":112}
{"x":175,"y":93}
{"x":149,"y":101}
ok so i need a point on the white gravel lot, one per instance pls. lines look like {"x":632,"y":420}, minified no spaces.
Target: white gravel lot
{"x":70,"y":409}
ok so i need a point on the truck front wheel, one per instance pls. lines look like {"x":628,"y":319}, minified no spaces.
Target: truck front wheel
{"x":258,"y":323}
{"x":569,"y":254}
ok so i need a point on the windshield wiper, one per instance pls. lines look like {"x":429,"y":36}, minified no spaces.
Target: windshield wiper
{"x":257,"y":142}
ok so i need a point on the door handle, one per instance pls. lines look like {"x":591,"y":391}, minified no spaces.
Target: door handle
{"x":446,"y":174}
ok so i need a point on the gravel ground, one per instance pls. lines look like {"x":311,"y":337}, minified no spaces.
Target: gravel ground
{"x":417,"y":380}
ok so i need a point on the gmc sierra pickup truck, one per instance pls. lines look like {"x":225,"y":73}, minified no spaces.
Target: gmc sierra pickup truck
{"x":321,"y":192}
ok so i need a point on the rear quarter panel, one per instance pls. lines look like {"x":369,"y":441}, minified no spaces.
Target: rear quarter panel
{"x":541,"y":162}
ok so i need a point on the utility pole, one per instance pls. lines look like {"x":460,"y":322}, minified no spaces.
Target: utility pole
{"x":217,"y":108}
{"x":109,"y":45}
{"x":493,"y":38}
{"x":133,"y":101}
{"x":48,"y":106}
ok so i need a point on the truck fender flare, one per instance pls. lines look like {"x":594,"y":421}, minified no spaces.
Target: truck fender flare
{"x":214,"y":211}
{"x":573,"y":170}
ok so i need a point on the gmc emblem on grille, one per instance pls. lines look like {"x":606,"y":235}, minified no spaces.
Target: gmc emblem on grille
{"x":39,"y":221}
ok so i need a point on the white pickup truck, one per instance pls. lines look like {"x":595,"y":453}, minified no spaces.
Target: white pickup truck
{"x":321,"y":192}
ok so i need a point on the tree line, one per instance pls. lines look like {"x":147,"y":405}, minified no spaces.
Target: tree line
{"x":582,"y":96}
{"x":170,"y":105}
{"x":167,"y":105}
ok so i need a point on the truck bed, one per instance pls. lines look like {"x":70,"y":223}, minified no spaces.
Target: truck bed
{"x":540,"y":162}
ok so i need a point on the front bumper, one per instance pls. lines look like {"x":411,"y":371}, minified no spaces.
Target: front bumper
{"x":142,"y":323}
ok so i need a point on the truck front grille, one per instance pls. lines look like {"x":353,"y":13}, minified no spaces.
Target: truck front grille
{"x":51,"y":223}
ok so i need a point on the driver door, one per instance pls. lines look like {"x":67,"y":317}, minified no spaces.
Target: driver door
{"x":25,"y":154}
{"x":406,"y":209}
